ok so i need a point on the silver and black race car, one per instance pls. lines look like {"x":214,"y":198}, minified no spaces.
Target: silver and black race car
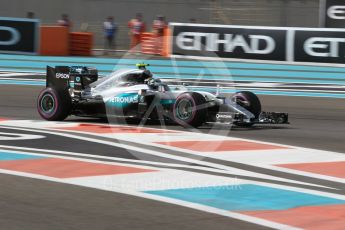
{"x":137,"y":93}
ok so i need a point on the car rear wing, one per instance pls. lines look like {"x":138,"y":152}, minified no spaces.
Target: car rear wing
{"x":61,"y":77}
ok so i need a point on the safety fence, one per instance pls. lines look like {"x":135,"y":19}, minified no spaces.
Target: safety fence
{"x":156,"y":45}
{"x":58,"y":41}
{"x":81,"y":44}
{"x":149,"y":44}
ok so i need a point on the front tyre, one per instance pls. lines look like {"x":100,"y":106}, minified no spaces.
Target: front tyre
{"x":54,"y":105}
{"x":190,"y":110}
{"x":250,"y":102}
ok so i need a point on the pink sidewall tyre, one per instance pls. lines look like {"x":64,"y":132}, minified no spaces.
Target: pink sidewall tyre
{"x":188,"y":110}
{"x":54,"y":105}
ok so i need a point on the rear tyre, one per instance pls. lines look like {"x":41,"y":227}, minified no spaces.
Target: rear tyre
{"x":190,"y":110}
{"x":250,"y":102}
{"x":54,"y":105}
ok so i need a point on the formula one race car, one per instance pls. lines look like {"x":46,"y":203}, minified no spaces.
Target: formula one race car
{"x":136,"y":93}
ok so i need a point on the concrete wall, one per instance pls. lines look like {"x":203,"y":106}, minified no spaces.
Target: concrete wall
{"x":302,"y":13}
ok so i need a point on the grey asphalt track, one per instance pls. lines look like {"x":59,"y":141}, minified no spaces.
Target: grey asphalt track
{"x":28,"y":204}
{"x":315,"y":123}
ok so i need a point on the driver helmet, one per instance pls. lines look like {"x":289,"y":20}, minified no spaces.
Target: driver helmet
{"x":147,"y":74}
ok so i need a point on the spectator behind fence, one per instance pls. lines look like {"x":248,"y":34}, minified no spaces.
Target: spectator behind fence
{"x":30,"y":15}
{"x":159,"y":25}
{"x":109,"y":33}
{"x":64,"y":21}
{"x":136,"y":28}
{"x":192,"y":20}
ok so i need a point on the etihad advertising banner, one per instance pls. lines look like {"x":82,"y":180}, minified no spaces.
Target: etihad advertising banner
{"x":262,"y":43}
{"x":325,"y":46}
{"x":332,"y":13}
{"x":19,"y":35}
{"x":229,"y":42}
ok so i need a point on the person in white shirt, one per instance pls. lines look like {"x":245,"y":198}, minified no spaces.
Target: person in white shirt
{"x":109,"y":33}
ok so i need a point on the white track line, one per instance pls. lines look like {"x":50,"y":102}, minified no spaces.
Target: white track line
{"x":229,"y":170}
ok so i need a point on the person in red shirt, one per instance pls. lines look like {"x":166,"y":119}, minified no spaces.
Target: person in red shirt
{"x":159,"y":25}
{"x":136,"y":28}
